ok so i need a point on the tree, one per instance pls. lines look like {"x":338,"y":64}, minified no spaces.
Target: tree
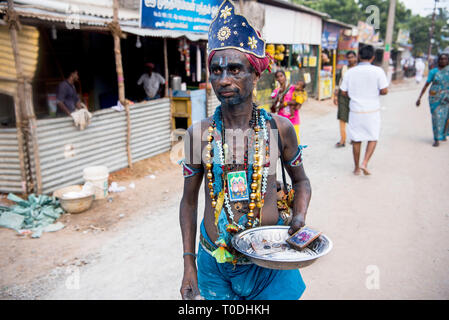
{"x":419,"y":32}
{"x":351,"y":11}
{"x":344,"y":10}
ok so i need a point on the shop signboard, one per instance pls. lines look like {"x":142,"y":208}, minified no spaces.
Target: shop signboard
{"x":180,"y":15}
{"x":312,"y":61}
{"x":403,"y":36}
{"x":346,"y":44}
{"x":329,"y":38}
{"x":325,"y":87}
{"x":366,"y":33}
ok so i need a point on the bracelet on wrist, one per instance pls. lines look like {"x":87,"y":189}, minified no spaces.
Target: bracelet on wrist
{"x":189,"y":254}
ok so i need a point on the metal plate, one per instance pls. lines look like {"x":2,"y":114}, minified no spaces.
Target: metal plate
{"x":286,"y":259}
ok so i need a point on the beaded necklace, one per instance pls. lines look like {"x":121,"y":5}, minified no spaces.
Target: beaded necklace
{"x":257,"y":172}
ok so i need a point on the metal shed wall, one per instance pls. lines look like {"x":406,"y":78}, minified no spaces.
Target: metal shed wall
{"x":10,"y":172}
{"x":150,"y":129}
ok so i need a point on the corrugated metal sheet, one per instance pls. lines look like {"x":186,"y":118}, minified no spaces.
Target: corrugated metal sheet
{"x":212,"y":103}
{"x":28,"y":39}
{"x":160,"y":33}
{"x":96,"y":8}
{"x":65,"y":151}
{"x":72,"y":13}
{"x":150,"y":129}
{"x":10,"y":174}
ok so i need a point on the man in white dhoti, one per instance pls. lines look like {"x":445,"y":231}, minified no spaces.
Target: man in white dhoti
{"x":363,"y":84}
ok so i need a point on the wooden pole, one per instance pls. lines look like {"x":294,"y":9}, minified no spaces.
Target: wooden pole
{"x":21,"y":143}
{"x":389,"y":36}
{"x":432,"y":29}
{"x":32,"y":125}
{"x":25,"y":110}
{"x":18,"y":100}
{"x":115,"y":30}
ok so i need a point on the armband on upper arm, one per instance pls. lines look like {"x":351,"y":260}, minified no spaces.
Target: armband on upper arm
{"x":188,"y":171}
{"x":296,"y":161}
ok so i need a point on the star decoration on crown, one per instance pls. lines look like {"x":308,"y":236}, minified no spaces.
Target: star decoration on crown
{"x":252,"y":42}
{"x":224,"y":33}
{"x":226,"y":12}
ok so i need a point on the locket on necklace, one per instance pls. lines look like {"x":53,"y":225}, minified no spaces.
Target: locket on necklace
{"x":238,"y":206}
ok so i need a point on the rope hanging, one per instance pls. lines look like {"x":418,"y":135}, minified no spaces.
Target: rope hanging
{"x":12,"y":19}
{"x":115,"y":29}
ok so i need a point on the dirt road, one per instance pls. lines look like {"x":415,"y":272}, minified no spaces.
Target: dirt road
{"x":390,"y":230}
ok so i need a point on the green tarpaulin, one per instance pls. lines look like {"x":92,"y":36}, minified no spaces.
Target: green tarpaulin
{"x":37,"y":214}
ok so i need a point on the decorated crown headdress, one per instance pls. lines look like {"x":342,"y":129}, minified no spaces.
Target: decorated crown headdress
{"x":229,"y":30}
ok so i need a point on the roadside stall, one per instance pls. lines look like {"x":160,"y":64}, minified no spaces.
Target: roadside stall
{"x":332,"y":31}
{"x":41,"y":153}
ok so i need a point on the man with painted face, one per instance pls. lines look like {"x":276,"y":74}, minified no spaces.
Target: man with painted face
{"x":236,"y":143}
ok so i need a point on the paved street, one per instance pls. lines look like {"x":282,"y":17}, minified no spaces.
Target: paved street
{"x":390,"y":230}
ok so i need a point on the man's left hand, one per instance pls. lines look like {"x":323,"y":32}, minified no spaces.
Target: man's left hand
{"x":297,"y":223}
{"x":335,"y":100}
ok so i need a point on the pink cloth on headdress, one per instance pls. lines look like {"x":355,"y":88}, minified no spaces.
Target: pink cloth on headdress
{"x":259,"y":64}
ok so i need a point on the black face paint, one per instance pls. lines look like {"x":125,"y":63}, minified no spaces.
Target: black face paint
{"x":232,"y":77}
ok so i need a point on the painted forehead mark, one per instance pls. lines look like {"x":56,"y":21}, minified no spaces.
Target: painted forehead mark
{"x":223,"y":62}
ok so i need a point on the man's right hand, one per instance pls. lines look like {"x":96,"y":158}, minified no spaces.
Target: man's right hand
{"x":189,"y":287}
{"x":335,"y":97}
{"x":335,"y":100}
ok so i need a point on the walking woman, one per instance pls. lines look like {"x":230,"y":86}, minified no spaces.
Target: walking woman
{"x":342,"y":101}
{"x":282,"y":96}
{"x":438,"y":98}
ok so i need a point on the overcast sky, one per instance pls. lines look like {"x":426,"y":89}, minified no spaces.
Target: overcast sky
{"x":423,"y":7}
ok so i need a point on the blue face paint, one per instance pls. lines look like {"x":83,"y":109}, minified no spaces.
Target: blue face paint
{"x":231,"y":77}
{"x":223,"y":62}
